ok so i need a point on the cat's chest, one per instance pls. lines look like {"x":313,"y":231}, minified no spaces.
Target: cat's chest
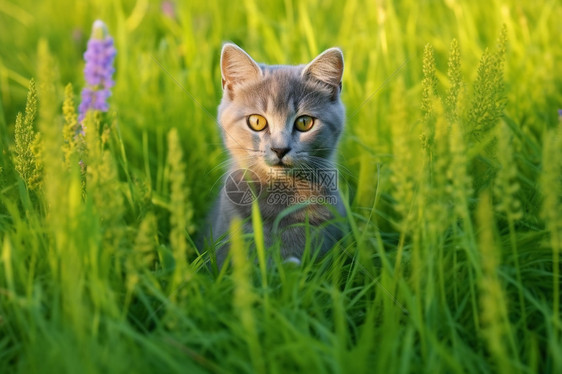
{"x":292,"y":207}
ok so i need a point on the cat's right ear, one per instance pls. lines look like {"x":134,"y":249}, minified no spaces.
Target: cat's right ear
{"x":327,"y":68}
{"x":237,"y":66}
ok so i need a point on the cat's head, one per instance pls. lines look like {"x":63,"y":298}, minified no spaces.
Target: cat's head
{"x":279,"y":117}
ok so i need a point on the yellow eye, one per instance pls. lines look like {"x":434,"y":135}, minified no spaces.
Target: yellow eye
{"x":304,"y":123}
{"x":257,"y":122}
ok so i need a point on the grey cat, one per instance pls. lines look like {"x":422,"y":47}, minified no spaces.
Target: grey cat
{"x":281,"y":125}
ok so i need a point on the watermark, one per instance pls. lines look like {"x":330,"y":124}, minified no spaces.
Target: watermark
{"x":292,"y":199}
{"x":306,"y":180}
{"x":242,"y":186}
{"x":315,"y":186}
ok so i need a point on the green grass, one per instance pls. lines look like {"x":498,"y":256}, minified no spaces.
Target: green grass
{"x":451,"y":169}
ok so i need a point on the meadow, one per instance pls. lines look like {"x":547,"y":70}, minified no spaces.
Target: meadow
{"x":450,"y":166}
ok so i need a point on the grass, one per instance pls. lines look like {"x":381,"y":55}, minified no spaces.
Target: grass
{"x":450,"y":165}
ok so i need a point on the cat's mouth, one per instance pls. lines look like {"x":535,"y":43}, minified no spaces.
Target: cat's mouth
{"x":281,"y":164}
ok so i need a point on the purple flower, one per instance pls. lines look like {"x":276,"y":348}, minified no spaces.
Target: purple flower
{"x":98,"y":72}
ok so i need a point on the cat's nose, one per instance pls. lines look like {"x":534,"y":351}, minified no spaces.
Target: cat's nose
{"x":280,"y":152}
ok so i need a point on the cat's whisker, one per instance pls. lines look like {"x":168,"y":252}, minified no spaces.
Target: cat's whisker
{"x":324,"y":148}
{"x":248,"y":149}
{"x":220,"y":165}
{"x":229,"y":163}
{"x":230,"y":135}
{"x":339,"y":165}
{"x":223,"y":153}
{"x":320,"y":163}
{"x":219,"y":179}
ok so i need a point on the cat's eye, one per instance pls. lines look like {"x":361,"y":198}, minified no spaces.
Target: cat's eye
{"x":304,"y":123}
{"x":256,"y":122}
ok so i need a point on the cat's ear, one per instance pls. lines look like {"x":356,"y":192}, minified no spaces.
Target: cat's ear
{"x":327,"y":68}
{"x":237,"y":66}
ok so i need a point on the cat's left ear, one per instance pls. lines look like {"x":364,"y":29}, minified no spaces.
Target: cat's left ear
{"x":327,"y":68}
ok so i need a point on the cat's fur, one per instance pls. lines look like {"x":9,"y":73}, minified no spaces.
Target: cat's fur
{"x":281,"y":94}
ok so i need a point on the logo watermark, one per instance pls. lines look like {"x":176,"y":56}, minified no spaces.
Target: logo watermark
{"x":306,"y":180}
{"x":316,"y":186}
{"x":292,"y":199}
{"x":242,"y":186}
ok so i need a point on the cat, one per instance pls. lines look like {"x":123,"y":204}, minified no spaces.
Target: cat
{"x":281,"y":125}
